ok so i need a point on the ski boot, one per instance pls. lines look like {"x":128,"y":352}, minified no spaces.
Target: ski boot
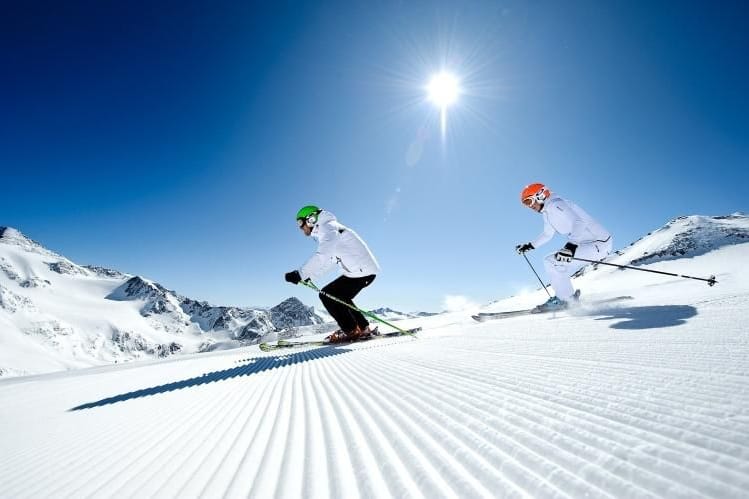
{"x":553,"y":304}
{"x":355,"y":335}
{"x":338,"y":336}
{"x":367,"y":332}
{"x":341,"y":336}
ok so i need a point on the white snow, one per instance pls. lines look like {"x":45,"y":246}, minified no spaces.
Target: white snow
{"x":648,"y":397}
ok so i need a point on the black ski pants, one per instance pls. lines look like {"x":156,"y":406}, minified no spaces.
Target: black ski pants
{"x":345,"y":289}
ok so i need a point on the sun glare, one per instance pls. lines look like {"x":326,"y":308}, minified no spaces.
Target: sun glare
{"x":443,"y":89}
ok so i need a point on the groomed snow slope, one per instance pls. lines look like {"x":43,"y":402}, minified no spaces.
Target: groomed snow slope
{"x":648,"y":397}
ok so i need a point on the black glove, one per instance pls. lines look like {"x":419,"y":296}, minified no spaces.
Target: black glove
{"x":565,"y":254}
{"x":293,"y":277}
{"x":522,"y":248}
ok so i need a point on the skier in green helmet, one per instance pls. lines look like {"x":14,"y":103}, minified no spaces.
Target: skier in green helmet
{"x":337,"y":244}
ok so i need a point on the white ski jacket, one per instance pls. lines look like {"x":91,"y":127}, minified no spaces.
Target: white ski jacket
{"x":568,"y":219}
{"x":338,"y":244}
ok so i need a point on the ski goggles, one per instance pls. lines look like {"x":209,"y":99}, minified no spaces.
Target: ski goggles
{"x":310,"y":221}
{"x":529,"y":200}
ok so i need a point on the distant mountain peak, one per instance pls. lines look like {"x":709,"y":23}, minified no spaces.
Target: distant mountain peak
{"x":391,"y":314}
{"x":689,"y":236}
{"x":682,"y":237}
{"x":14,"y":237}
{"x":292,"y":312}
{"x":9,"y":235}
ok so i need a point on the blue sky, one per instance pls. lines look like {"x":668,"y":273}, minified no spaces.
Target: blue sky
{"x":177,"y":140}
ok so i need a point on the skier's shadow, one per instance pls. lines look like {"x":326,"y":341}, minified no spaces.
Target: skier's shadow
{"x":248,"y":367}
{"x":657,"y":316}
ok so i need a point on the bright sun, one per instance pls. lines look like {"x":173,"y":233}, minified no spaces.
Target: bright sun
{"x":443,"y":89}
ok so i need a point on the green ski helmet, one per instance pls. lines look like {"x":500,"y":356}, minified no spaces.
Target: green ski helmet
{"x":308,"y":215}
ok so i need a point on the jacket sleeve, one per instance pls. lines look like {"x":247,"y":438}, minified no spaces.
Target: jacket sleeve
{"x":545,"y":236}
{"x":323,"y":259}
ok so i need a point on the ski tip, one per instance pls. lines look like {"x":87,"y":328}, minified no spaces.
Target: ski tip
{"x":265,"y":347}
{"x":400,"y":332}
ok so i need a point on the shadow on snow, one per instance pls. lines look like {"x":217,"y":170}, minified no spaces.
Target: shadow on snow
{"x":647,"y":317}
{"x":249,"y":367}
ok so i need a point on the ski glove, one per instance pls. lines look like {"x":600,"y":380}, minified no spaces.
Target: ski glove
{"x":565,"y":254}
{"x":522,"y":248}
{"x":293,"y":277}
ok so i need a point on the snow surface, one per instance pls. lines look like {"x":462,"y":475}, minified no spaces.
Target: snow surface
{"x":647,"y":397}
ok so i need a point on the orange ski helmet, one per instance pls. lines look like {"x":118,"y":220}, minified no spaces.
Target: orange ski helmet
{"x":534,"y":192}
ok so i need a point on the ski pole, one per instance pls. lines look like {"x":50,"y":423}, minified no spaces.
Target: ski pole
{"x":311,"y":285}
{"x":539,"y":279}
{"x":710,"y":281}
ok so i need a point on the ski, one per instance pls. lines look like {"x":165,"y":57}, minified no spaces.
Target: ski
{"x":488,"y":316}
{"x":282,"y":344}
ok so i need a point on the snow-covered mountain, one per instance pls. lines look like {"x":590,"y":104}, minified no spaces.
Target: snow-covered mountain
{"x":389,"y":314}
{"x":56,"y":314}
{"x":645,"y":397}
{"x":682,"y":237}
{"x":688,"y":237}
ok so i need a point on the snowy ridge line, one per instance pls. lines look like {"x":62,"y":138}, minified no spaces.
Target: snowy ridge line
{"x":673,"y":476}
